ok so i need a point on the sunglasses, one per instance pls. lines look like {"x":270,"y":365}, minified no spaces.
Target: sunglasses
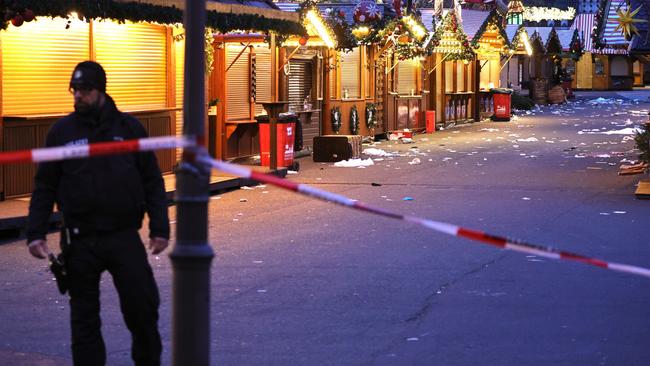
{"x":82,"y":89}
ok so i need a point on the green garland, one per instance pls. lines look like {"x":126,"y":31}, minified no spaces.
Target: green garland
{"x":642,"y":140}
{"x":599,"y":21}
{"x":335,"y":20}
{"x":143,"y":12}
{"x":576,"y":48}
{"x":354,"y":120}
{"x":493,"y":17}
{"x":371,"y":115}
{"x":336,"y":119}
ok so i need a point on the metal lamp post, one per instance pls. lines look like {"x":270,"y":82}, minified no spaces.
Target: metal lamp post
{"x":192,"y":255}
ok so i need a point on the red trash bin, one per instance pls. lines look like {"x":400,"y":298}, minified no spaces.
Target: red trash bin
{"x":501,"y":98}
{"x":286,"y":127}
{"x":431,"y":121}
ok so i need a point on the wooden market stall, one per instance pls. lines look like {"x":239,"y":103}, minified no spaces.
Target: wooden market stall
{"x":143,"y":60}
{"x":546,"y":52}
{"x":516,"y":72}
{"x":487,"y":34}
{"x":451,"y":73}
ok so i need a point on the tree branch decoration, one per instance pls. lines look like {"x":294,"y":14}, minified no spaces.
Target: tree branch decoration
{"x":354,"y":120}
{"x":336,"y":119}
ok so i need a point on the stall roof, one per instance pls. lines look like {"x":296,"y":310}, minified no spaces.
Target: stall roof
{"x":584,"y":23}
{"x":473,"y":20}
{"x":565,"y":36}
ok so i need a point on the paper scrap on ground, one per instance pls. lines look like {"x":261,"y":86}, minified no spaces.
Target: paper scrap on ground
{"x":625,"y":131}
{"x":354,"y":163}
{"x":377,"y":152}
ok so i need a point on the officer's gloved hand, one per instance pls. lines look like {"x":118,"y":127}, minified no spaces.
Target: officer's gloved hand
{"x":38,"y":248}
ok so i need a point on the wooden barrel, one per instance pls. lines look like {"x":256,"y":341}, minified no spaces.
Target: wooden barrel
{"x":539,"y":90}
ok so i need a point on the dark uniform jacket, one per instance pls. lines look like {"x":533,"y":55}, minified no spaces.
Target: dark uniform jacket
{"x":99,"y":194}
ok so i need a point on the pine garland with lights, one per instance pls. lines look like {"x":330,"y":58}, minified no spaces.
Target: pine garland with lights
{"x":354,"y":120}
{"x":143,"y":12}
{"x":371,"y":115}
{"x":599,"y":20}
{"x":494,"y":18}
{"x":336,"y":119}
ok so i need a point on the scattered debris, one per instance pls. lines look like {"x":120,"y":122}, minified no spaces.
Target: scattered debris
{"x":638,"y":168}
{"x":415,"y":161}
{"x":354,"y":163}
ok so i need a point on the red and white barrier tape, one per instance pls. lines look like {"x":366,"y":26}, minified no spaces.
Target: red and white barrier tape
{"x":173,"y":142}
{"x":94,"y":149}
{"x":442,"y":227}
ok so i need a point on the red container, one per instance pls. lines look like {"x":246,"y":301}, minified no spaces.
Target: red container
{"x":431,"y":121}
{"x":501,"y":106}
{"x":285,"y":138}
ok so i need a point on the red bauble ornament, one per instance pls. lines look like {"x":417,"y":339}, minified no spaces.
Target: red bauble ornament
{"x":341,"y":13}
{"x":302,"y":41}
{"x":17,"y":20}
{"x":28,"y":15}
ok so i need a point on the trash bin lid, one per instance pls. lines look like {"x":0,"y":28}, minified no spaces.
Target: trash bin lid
{"x":282,"y":118}
{"x":501,"y":91}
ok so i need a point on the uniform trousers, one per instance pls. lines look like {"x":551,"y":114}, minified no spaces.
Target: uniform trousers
{"x":123,"y":255}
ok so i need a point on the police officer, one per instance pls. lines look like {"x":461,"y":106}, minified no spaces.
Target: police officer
{"x":103,"y":201}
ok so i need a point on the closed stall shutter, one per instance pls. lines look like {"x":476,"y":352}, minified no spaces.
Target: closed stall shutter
{"x":299,"y":82}
{"x":238,"y":84}
{"x":350,"y":73}
{"x":406,"y":74}
{"x":37,"y":62}
{"x":134,"y":57}
{"x":262,"y":78}
{"x":180,"y":80}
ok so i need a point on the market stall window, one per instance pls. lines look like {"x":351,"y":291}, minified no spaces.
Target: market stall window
{"x":350,"y":75}
{"x":599,"y":66}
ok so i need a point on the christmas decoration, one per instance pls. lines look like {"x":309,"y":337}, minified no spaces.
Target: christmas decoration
{"x":303,"y":40}
{"x":354,"y":120}
{"x":366,"y":11}
{"x":450,"y":40}
{"x":626,"y":22}
{"x":538,"y":14}
{"x":491,"y":34}
{"x":576,"y":47}
{"x":17,"y":20}
{"x":336,"y":119}
{"x":144,"y":12}
{"x":333,"y":26}
{"x":28,"y":15}
{"x":371,"y":115}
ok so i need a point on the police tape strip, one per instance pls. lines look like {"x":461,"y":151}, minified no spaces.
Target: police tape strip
{"x":479,"y":236}
{"x":173,"y":142}
{"x":94,"y":149}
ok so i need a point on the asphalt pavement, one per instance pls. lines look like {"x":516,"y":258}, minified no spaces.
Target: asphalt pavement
{"x":302,"y":282}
